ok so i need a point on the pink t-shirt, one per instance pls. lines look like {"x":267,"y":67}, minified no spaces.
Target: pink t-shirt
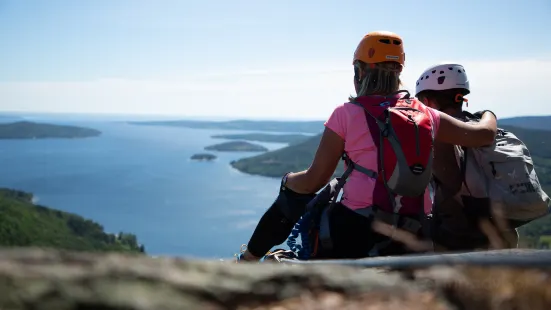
{"x":348,"y":121}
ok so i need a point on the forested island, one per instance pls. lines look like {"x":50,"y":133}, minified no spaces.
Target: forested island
{"x":203,"y":157}
{"x":32,"y":130}
{"x":264,"y":137}
{"x":24,"y":224}
{"x":295,"y":157}
{"x":236,"y":146}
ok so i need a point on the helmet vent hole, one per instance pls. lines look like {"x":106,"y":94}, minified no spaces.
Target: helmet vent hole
{"x":459,"y":71}
{"x":441,"y":79}
{"x":433,"y":71}
{"x":396,"y":42}
{"x":450,"y":68}
{"x":441,"y":72}
{"x":422,"y":78}
{"x":427,"y":77}
{"x":385,"y":41}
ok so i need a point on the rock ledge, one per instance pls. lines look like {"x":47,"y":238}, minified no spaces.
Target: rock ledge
{"x":50,"y":279}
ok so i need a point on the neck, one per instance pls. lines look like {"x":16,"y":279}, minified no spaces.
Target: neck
{"x":453,"y":111}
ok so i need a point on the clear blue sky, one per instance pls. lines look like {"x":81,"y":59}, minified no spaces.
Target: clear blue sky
{"x":252,"y":58}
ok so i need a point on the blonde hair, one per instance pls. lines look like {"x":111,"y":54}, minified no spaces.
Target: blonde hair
{"x":381,"y":79}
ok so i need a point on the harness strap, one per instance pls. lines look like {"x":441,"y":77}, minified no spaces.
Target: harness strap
{"x":369,"y":172}
{"x":324,"y":234}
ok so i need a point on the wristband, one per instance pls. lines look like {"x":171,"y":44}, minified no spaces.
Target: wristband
{"x":284,"y":181}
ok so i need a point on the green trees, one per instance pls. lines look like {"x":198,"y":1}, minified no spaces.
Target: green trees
{"x":24,"y":224}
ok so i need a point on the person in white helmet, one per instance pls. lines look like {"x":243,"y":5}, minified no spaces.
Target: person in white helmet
{"x":457,"y":217}
{"x":443,"y":87}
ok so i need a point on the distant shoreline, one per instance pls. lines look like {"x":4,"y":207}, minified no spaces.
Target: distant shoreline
{"x":25,"y":130}
{"x":313,"y":127}
{"x":265,"y":137}
{"x":236,"y":146}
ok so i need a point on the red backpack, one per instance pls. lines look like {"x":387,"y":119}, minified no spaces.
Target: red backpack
{"x":402,"y":130}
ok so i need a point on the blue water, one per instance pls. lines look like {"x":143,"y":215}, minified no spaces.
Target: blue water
{"x":139,"y":179}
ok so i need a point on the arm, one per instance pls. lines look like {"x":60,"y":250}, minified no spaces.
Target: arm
{"x":456,"y":132}
{"x":325,"y":162}
{"x":274,"y":227}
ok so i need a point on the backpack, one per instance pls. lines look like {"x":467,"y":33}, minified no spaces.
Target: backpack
{"x":402,"y":130}
{"x":504,"y":173}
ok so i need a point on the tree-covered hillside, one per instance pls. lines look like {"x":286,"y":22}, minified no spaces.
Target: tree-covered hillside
{"x":295,"y":157}
{"x":530,"y":122}
{"x":24,"y":224}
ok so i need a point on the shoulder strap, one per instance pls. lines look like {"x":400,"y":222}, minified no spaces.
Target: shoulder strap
{"x":469,"y":116}
{"x":351,"y":166}
{"x":406,"y":96}
{"x":354,"y":166}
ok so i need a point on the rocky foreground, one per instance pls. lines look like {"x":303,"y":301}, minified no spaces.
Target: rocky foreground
{"x":49,"y":279}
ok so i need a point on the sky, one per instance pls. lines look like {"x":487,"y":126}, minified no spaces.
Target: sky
{"x":284,"y":59}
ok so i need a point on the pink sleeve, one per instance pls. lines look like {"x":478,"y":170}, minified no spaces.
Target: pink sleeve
{"x":337,"y":121}
{"x":435,"y":115}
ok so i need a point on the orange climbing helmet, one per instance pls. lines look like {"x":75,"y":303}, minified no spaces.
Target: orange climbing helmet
{"x":380,"y":46}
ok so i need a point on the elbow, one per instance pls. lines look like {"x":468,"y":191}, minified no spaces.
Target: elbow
{"x":315,"y":182}
{"x":487,"y":136}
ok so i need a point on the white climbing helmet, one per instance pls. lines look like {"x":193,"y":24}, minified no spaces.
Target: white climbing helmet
{"x":442,"y":77}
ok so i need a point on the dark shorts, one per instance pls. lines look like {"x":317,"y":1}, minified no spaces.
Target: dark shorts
{"x":471,"y":239}
{"x":353,"y":237}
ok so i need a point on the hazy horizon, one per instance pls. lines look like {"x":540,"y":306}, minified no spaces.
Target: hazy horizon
{"x":128,"y":117}
{"x":147,"y":117}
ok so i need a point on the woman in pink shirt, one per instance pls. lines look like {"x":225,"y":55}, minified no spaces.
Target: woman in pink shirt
{"x":378,"y":62}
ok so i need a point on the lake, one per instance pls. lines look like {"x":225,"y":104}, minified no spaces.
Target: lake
{"x":139,"y":179}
